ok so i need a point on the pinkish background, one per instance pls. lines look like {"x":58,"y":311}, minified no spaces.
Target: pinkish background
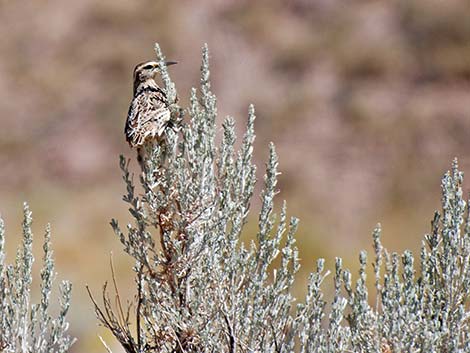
{"x":366,"y":101}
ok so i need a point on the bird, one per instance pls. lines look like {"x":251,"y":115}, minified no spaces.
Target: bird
{"x":149,"y":113}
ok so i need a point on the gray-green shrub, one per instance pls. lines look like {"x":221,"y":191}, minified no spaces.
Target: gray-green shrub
{"x":201,"y":289}
{"x":27,"y":327}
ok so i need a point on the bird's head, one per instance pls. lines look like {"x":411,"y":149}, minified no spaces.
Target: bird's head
{"x":147,"y":70}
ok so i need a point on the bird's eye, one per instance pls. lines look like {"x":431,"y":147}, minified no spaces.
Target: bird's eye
{"x":147,"y":67}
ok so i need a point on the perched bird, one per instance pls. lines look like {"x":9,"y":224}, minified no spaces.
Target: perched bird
{"x":149,"y":113}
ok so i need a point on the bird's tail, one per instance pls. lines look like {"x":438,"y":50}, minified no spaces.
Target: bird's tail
{"x":141,"y":158}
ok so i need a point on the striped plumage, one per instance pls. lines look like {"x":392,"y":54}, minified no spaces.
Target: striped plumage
{"x":148,"y":114}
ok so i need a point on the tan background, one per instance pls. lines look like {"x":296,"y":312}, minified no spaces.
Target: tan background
{"x":366,"y":101}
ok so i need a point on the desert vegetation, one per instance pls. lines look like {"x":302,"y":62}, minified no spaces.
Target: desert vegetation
{"x":203,"y":285}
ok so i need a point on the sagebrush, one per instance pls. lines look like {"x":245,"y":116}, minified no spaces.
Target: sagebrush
{"x":201,"y":289}
{"x":26,"y":327}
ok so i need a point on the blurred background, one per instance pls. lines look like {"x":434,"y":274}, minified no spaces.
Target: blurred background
{"x":367,"y":102}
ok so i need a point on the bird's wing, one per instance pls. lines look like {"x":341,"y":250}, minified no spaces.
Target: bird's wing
{"x":148,"y":117}
{"x":131,"y":123}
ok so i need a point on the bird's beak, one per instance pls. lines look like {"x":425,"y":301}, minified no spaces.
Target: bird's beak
{"x":168,"y":63}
